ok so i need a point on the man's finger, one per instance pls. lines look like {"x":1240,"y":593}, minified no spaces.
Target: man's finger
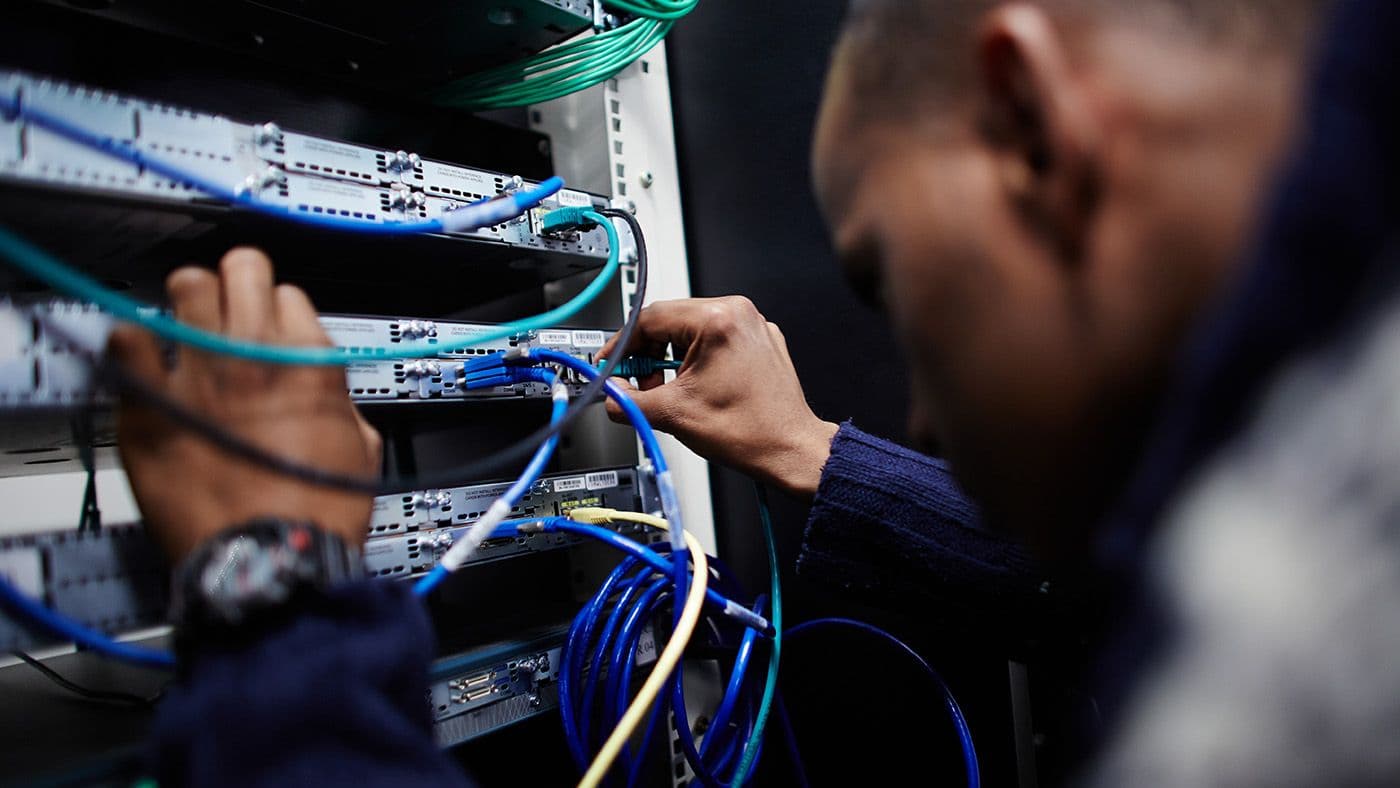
{"x":194,"y":297}
{"x":374,"y":443}
{"x":658,"y":405}
{"x":249,"y":312}
{"x":674,"y":323}
{"x":297,"y":320}
{"x":139,"y":352}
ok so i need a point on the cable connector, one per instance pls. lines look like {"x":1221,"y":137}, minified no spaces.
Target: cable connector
{"x":567,"y":220}
{"x":497,"y":369}
{"x":593,"y":515}
{"x":642,"y":366}
{"x":536,"y":527}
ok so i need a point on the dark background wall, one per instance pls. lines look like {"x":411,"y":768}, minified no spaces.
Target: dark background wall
{"x":746,"y":82}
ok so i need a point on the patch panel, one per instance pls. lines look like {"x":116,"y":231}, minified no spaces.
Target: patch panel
{"x":43,"y":348}
{"x":301,"y":172}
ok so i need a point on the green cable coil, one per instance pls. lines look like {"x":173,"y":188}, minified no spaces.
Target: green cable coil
{"x":572,"y":66}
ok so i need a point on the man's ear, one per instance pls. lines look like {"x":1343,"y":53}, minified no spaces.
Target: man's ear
{"x":1037,"y":123}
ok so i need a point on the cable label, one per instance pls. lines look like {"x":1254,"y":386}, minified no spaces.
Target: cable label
{"x":601,"y":480}
{"x":570,"y":484}
{"x":646,"y":646}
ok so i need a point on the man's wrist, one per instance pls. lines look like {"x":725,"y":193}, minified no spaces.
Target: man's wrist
{"x":799,"y":468}
{"x":247,"y":576}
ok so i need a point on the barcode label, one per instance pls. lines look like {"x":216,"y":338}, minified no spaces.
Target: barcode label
{"x":570,"y":484}
{"x":584,"y":339}
{"x":572,"y":199}
{"x":601,"y":480}
{"x":555,"y":338}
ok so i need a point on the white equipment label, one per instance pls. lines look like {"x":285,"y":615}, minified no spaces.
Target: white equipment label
{"x":570,"y":484}
{"x":584,"y":339}
{"x":601,"y":480}
{"x":572,"y":199}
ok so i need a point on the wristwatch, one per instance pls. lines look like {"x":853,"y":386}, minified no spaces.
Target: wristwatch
{"x":246,"y":577}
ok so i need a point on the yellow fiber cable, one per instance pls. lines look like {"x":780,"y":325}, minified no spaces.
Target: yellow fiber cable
{"x":670,"y":655}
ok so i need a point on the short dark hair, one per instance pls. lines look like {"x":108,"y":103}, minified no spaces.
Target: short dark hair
{"x":910,"y":54}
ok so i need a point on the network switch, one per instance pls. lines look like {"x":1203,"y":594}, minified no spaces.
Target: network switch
{"x":46,"y":351}
{"x":409,"y":533}
{"x":299,"y":172}
{"x":116,"y":580}
{"x":443,"y":377}
{"x":490,"y":688}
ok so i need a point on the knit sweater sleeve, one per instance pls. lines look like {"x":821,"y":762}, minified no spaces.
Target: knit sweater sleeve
{"x":892,"y":527}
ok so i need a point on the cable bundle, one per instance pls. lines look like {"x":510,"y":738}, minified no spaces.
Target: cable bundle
{"x":572,"y":66}
{"x":600,"y":656}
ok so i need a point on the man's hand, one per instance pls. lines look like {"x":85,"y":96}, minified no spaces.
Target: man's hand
{"x":187,"y":488}
{"x":736,"y":398}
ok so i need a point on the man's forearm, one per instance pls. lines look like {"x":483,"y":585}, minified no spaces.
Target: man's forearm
{"x":892,"y":526}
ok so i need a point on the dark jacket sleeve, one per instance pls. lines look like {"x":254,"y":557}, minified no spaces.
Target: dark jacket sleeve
{"x":335,"y":696}
{"x":890,"y":526}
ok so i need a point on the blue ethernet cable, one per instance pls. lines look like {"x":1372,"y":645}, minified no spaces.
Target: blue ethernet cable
{"x":634,"y":414}
{"x":725,"y":605}
{"x":665,"y":485}
{"x":527,"y":478}
{"x":634,"y":590}
{"x":969,"y":751}
{"x":737,"y":678}
{"x":630,"y":633}
{"x":580,"y":633}
{"x":34,"y":614}
{"x":612,"y":650}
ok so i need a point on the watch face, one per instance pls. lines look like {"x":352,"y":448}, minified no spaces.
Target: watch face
{"x":244,"y":571}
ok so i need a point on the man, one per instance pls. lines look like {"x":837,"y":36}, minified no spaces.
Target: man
{"x":1045,"y":198}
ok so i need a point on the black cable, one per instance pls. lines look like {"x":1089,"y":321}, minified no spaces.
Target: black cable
{"x":87,"y":693}
{"x":446,"y":477}
{"x":90,"y":518}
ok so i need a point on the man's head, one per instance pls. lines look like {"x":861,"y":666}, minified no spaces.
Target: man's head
{"x":1042,"y":196}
